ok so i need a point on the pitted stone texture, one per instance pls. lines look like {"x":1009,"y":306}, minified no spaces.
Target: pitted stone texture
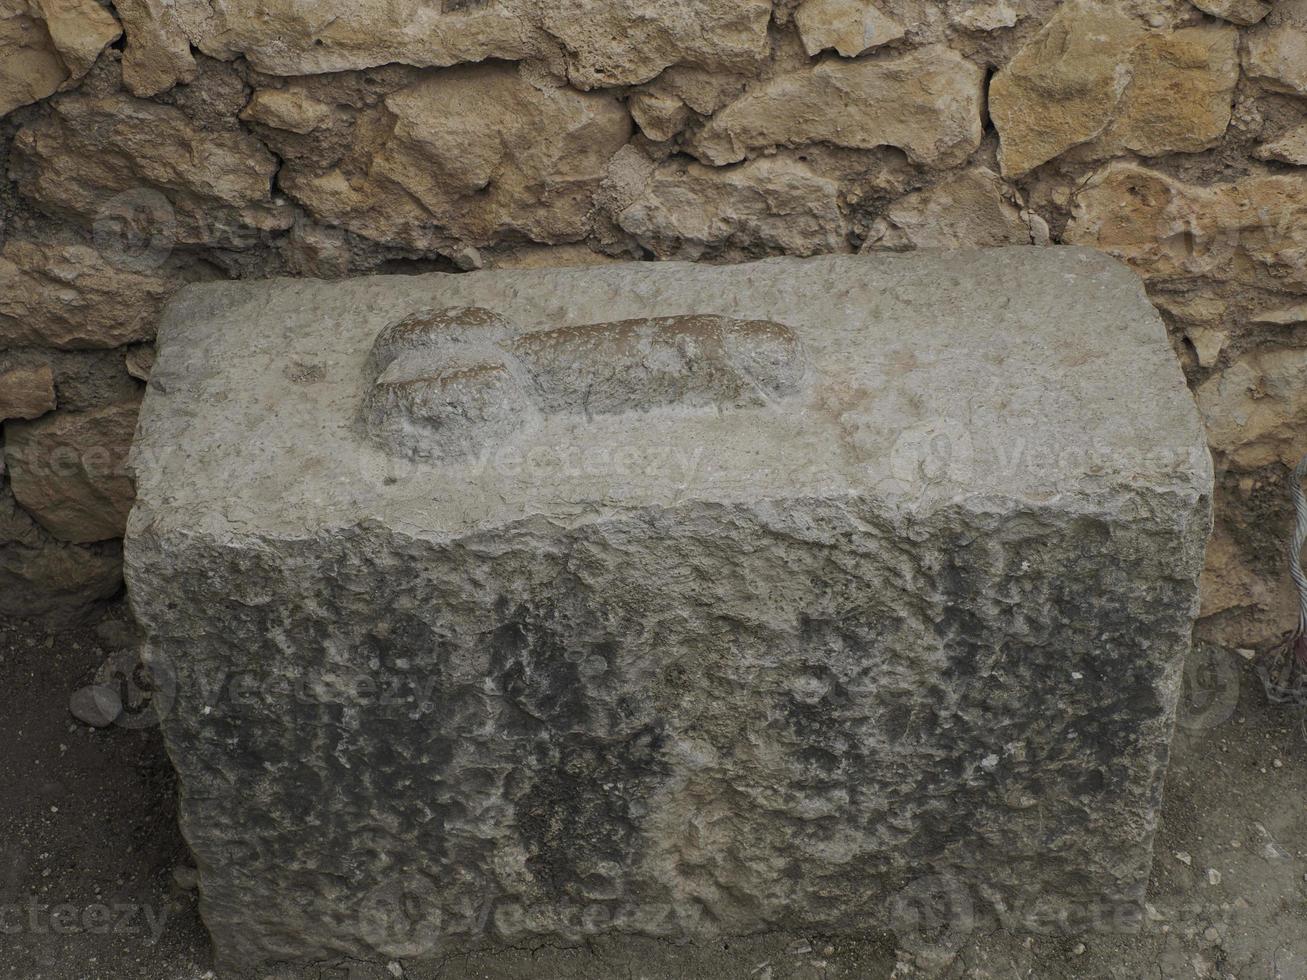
{"x":1094,"y":78}
{"x":1250,"y":231}
{"x":926,"y":102}
{"x":597,"y":42}
{"x":95,"y":159}
{"x":681,"y":671}
{"x":471,"y":155}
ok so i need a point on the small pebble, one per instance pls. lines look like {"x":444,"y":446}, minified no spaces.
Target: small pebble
{"x":1278,"y":764}
{"x":394,"y":969}
{"x":1079,"y":949}
{"x":1211,"y":935}
{"x":1184,"y":858}
{"x":1213,"y":876}
{"x":95,"y":705}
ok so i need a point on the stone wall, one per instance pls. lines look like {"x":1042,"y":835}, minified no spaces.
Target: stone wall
{"x":147,"y":144}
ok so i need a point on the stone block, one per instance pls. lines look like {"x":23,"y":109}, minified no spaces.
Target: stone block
{"x":663,"y":599}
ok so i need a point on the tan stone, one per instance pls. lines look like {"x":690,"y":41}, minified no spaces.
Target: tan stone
{"x":703,"y":90}
{"x":1200,"y":316}
{"x":30,"y":67}
{"x":470,"y":156}
{"x":26,"y":392}
{"x":1208,"y":343}
{"x":1275,"y":51}
{"x":770,"y":206}
{"x":1196,"y":308}
{"x":139,"y":361}
{"x":660,"y":117}
{"x":1289,"y":147}
{"x":1180,"y":95}
{"x":1281,"y":316}
{"x":41,"y":576}
{"x":849,"y":26}
{"x":1094,"y":77}
{"x":68,"y":296}
{"x":926,"y":102}
{"x":80,"y":30}
{"x":68,"y":470}
{"x":1255,"y":410}
{"x":964,"y":210}
{"x":550,"y":257}
{"x":1227,"y":582}
{"x":1252,"y":230}
{"x":290,"y":109}
{"x":980,"y":15}
{"x":597,"y":42}
{"x":1243,"y":12}
{"x":97,"y":159}
{"x":158,"y":53}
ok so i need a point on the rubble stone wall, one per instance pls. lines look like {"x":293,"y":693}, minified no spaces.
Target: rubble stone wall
{"x":148,"y":144}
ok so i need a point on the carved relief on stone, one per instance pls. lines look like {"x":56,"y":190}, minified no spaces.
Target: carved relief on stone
{"x":445,"y":383}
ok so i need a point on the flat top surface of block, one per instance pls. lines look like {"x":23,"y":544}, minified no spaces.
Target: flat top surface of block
{"x":1020,"y":372}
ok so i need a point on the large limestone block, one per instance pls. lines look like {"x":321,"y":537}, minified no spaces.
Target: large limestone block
{"x":666,"y":599}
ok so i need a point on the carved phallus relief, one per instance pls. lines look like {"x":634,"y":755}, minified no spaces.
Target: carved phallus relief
{"x":447,"y":382}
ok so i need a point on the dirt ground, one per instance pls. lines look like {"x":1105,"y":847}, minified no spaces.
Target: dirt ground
{"x":94,"y":886}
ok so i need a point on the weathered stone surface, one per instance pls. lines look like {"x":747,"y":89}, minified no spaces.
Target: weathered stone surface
{"x":139,"y":361}
{"x":927,"y":102}
{"x":83,"y":380}
{"x":1095,"y":77}
{"x":67,"y":469}
{"x":30,"y":67}
{"x":773,"y":205}
{"x":26,"y":392}
{"x":1281,"y":316}
{"x":46,"y":44}
{"x":1275,"y":51}
{"x":965,"y":210}
{"x":98,"y":158}
{"x":470,"y":156}
{"x":1256,"y":409}
{"x":158,"y":54}
{"x":290,"y":109}
{"x":849,"y":26}
{"x":984,"y":15}
{"x":1252,"y":230}
{"x":41,"y":577}
{"x":674,"y":669}
{"x":1242,"y":12}
{"x":1288,"y":147}
{"x":69,"y":296}
{"x":79,"y":30}
{"x":600,"y":42}
{"x":660,"y":117}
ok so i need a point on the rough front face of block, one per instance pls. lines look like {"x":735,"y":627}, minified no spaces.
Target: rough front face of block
{"x":666,"y":599}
